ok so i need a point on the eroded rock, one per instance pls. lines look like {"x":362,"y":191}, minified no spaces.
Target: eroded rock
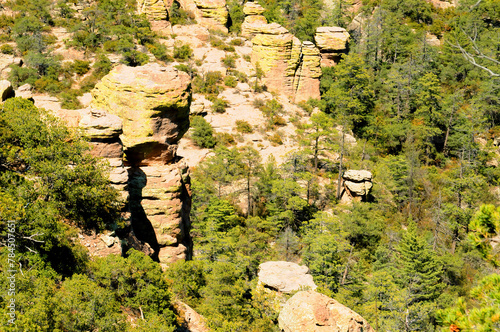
{"x":285,"y":277}
{"x":309,"y":311}
{"x":211,"y":14}
{"x":357,"y":185}
{"x":154,"y":9}
{"x":332,"y":43}
{"x":6,"y":90}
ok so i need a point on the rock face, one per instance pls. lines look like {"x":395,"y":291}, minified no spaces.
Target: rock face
{"x":357,"y":184}
{"x":153,"y":102}
{"x":290,"y":68}
{"x":146,"y":108}
{"x":285,"y":277}
{"x":332,"y":43}
{"x":314,"y":312}
{"x":212,"y":14}
{"x":154,"y":9}
{"x":253,"y":19}
{"x":6,"y":90}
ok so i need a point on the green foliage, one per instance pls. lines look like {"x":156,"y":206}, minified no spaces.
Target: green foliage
{"x":177,"y":15}
{"x":243,"y":127}
{"x":229,"y":61}
{"x":209,"y":84}
{"x":6,"y":49}
{"x":236,"y":16}
{"x":182,"y":52}
{"x":484,"y":226}
{"x":219,"y":105}
{"x":202,"y":133}
{"x":230,"y":81}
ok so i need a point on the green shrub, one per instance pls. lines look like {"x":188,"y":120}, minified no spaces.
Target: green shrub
{"x":187,"y":69}
{"x":134,"y":58}
{"x":229,"y":61}
{"x":225,"y":139}
{"x":160,"y":52}
{"x":102,"y":66}
{"x":242,"y":77}
{"x":209,"y":84}
{"x":230,"y":81}
{"x":236,"y":42}
{"x":202,"y":134}
{"x":275,"y":139}
{"x":219,"y":44}
{"x":177,"y":15}
{"x":258,"y":103}
{"x":247,"y":58}
{"x":81,"y":67}
{"x":48,"y":84}
{"x":69,"y":100}
{"x":21,"y":75}
{"x":219,"y":105}
{"x":183,"y":52}
{"x":243,"y":126}
{"x":7,"y":49}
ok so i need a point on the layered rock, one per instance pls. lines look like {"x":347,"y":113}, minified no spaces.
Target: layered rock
{"x":212,"y":14}
{"x":357,"y":184}
{"x":289,"y":67}
{"x":6,"y":90}
{"x":153,"y":102}
{"x":332,"y":43}
{"x":253,"y":19}
{"x":156,"y":10}
{"x":147,"y":108}
{"x":309,"y":311}
{"x":285,"y":277}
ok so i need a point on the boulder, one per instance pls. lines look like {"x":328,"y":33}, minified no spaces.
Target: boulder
{"x":211,"y":14}
{"x":309,"y":311}
{"x":98,"y":124}
{"x":253,"y":8}
{"x":155,"y":10}
{"x":331,"y":39}
{"x":6,"y":90}
{"x":153,"y":102}
{"x":285,"y":277}
{"x":332,"y":42}
{"x":25,"y":91}
{"x":357,"y":184}
{"x":253,"y":19}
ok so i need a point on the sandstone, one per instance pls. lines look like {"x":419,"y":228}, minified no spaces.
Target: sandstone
{"x":309,"y":311}
{"x":25,"y":91}
{"x":102,"y":245}
{"x":331,"y":39}
{"x":154,"y":9}
{"x":285,"y":277}
{"x":211,"y":14}
{"x":195,"y":31}
{"x":359,"y":188}
{"x":153,"y":102}
{"x":6,"y":90}
{"x":194,"y":321}
{"x":101,"y":125}
{"x":357,"y":176}
{"x":307,"y":82}
{"x":253,"y":8}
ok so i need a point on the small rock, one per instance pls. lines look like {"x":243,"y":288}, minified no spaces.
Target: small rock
{"x":108,"y":240}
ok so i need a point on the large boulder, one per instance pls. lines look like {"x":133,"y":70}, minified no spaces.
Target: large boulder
{"x":357,"y":184}
{"x":309,"y":311}
{"x":153,"y":102}
{"x":332,"y":43}
{"x":285,"y":277}
{"x":6,"y":90}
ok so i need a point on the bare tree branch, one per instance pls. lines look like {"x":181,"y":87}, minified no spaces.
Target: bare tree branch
{"x":472,"y":58}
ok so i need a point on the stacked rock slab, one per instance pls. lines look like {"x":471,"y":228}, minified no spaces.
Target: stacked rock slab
{"x":289,"y":67}
{"x":153,"y":103}
{"x":332,"y":43}
{"x":357,"y":184}
{"x":309,"y":311}
{"x":285,"y":277}
{"x":211,"y":14}
{"x":253,"y":19}
{"x":155,"y":10}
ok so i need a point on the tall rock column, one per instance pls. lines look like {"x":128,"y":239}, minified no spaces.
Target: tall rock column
{"x":332,"y":43}
{"x":153,"y":103}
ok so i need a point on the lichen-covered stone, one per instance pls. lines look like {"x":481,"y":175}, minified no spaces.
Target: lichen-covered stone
{"x":153,"y":102}
{"x":309,"y":311}
{"x":154,"y":9}
{"x":331,"y":39}
{"x":306,"y":83}
{"x":253,"y":8}
{"x":101,"y":125}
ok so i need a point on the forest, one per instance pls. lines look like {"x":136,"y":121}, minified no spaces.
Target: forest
{"x":419,"y":253}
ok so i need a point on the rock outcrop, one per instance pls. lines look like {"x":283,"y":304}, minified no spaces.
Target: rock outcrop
{"x":212,"y":14}
{"x":357,"y":184}
{"x":285,"y":277}
{"x":6,"y":90}
{"x":332,"y":43}
{"x":289,"y":67}
{"x":153,"y":102}
{"x":253,"y":19}
{"x":309,"y":311}
{"x":156,"y":10}
{"x":146,"y":108}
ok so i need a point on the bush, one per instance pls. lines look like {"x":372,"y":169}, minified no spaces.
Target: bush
{"x":202,"y":134}
{"x":7,"y":49}
{"x":180,"y":16}
{"x":219,"y":105}
{"x":258,"y":103}
{"x":81,"y":67}
{"x":236,"y":42}
{"x":242,"y":77}
{"x":183,"y":52}
{"x":160,"y":52}
{"x":243,"y":127}
{"x":219,"y":44}
{"x":275,"y":139}
{"x":229,"y":61}
{"x":134,"y":58}
{"x":69,"y":100}
{"x":225,"y":139}
{"x":230,"y":81}
{"x":209,"y":84}
{"x":102,"y":66}
{"x":21,"y":75}
{"x":190,"y":70}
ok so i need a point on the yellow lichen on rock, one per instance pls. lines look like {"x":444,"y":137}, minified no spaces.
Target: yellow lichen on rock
{"x":154,"y":9}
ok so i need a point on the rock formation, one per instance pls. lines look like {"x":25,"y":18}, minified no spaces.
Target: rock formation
{"x":289,"y":67}
{"x":357,"y":185}
{"x":285,"y":277}
{"x":332,"y":43}
{"x":146,"y":108}
{"x":6,"y":90}
{"x":212,"y":14}
{"x":154,"y":9}
{"x":309,"y":311}
{"x":253,"y":19}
